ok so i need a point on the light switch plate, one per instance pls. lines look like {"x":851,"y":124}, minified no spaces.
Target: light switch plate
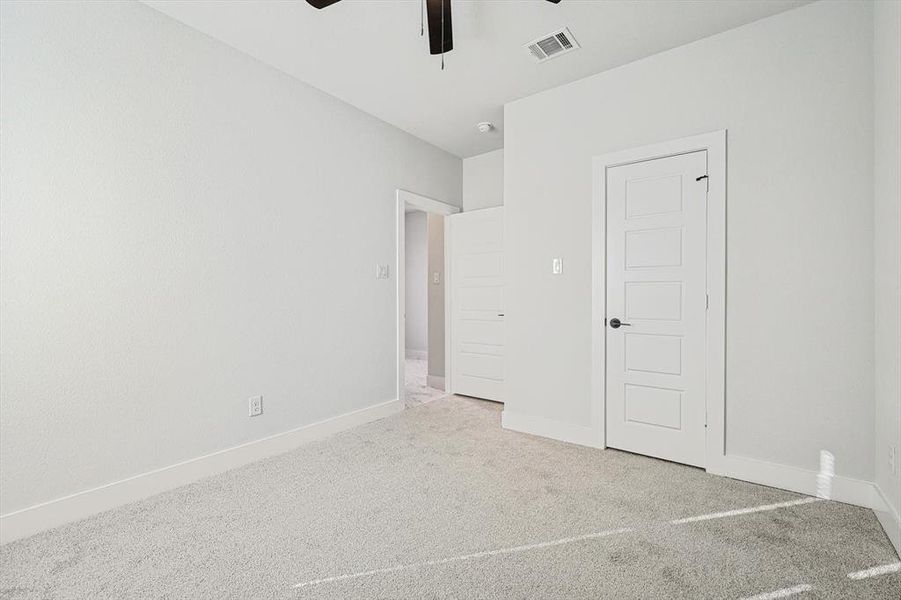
{"x":557,"y":266}
{"x":381,"y":271}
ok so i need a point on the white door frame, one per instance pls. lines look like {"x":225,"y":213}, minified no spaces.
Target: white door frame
{"x":406,"y":199}
{"x":715,"y":145}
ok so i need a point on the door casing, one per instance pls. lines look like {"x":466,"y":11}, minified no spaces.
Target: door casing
{"x":715,"y":145}
{"x":403,"y":199}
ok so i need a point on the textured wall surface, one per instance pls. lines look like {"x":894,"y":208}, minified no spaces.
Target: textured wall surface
{"x":436,"y":295}
{"x":182,"y":228}
{"x":483,"y":180}
{"x":795,"y":92}
{"x":887,"y":54}
{"x":416,"y":305}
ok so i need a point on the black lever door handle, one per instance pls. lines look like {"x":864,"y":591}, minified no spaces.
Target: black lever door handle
{"x":616,"y":323}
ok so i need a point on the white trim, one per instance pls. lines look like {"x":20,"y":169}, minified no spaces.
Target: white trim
{"x":417,"y":354}
{"x":888,"y":518}
{"x":715,"y":145}
{"x":426,"y":204}
{"x":566,"y":432}
{"x":435,"y":381}
{"x":448,"y":323}
{"x":406,"y":199}
{"x":597,"y":402}
{"x":804,"y":481}
{"x":40,"y":517}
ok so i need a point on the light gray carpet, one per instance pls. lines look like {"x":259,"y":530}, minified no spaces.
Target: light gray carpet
{"x":443,"y":480}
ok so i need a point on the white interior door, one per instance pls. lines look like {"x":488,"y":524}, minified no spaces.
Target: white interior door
{"x":656,"y":287}
{"x":477,"y":303}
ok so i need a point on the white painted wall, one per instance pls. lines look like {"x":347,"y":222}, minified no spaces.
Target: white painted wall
{"x":436,"y":295}
{"x":416,"y":256}
{"x":182,"y":227}
{"x":795,"y":93}
{"x":483,"y":180}
{"x":887,"y":46}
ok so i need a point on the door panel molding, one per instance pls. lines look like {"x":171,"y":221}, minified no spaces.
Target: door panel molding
{"x":715,"y":145}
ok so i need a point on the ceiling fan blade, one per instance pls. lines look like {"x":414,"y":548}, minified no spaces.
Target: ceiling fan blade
{"x":441,"y":34}
{"x":324,"y":3}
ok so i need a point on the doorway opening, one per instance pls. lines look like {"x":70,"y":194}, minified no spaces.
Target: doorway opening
{"x":422,"y":332}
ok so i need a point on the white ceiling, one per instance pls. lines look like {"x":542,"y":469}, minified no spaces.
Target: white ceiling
{"x":369,"y":52}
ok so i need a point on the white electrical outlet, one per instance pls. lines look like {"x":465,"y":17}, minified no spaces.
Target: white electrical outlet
{"x":255,"y":406}
{"x":436,"y":277}
{"x":557,"y":266}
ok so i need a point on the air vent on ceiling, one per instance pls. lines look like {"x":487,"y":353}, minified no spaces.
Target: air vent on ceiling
{"x":552,"y":45}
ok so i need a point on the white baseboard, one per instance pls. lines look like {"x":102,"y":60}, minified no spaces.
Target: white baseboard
{"x":435,"y":381}
{"x":565,"y":432}
{"x":417,"y":354}
{"x":795,"y":479}
{"x":888,"y":518}
{"x":34,"y":519}
{"x":843,"y":489}
{"x":804,"y":481}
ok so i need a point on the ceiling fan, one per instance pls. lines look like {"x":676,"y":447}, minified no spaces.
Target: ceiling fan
{"x":441,"y":35}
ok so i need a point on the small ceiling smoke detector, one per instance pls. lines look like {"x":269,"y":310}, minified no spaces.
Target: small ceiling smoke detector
{"x":484,"y":127}
{"x":552,"y":45}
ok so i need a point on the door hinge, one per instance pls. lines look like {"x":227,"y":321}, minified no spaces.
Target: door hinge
{"x":707,"y":301}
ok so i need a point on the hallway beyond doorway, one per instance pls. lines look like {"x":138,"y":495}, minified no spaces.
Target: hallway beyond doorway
{"x":417,"y":390}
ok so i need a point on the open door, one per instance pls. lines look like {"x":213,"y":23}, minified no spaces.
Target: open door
{"x":477,"y":303}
